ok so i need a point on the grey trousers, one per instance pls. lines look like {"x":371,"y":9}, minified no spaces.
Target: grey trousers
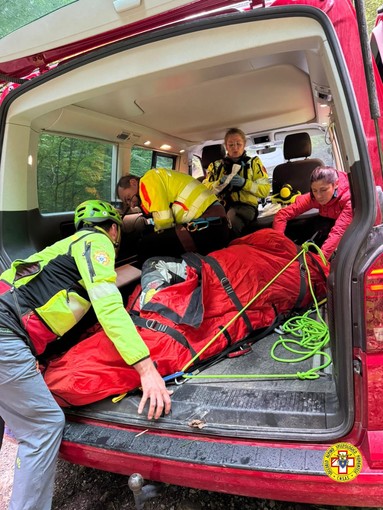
{"x":240,"y":215}
{"x":35,"y":419}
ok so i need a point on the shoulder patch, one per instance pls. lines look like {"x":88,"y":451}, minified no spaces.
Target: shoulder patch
{"x":102,"y":257}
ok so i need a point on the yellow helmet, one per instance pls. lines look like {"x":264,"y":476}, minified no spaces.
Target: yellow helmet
{"x":286,"y":195}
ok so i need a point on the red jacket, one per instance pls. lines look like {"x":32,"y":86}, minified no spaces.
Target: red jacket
{"x":339,"y":208}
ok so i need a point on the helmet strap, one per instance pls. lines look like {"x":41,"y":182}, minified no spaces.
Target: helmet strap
{"x":116,"y":243}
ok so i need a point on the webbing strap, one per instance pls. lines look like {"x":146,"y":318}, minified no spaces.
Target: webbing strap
{"x":317,"y":265}
{"x":225,"y":282}
{"x":185,"y":238}
{"x":302,"y":283}
{"x":154,"y":325}
{"x":193,"y":260}
{"x":258,"y":335}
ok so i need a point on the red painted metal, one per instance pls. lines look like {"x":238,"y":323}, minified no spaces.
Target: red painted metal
{"x":23,"y":66}
{"x":367,"y":488}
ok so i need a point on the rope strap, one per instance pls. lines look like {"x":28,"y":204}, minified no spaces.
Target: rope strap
{"x":314,"y":334}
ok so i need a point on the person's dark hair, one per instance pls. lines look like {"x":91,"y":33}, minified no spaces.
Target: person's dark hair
{"x":324,"y":173}
{"x":124,"y":182}
{"x":106,"y":225}
{"x":235,"y":131}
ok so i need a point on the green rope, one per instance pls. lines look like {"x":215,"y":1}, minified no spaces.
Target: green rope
{"x":221,"y":331}
{"x":313,"y":335}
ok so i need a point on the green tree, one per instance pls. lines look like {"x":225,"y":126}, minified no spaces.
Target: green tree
{"x":18,"y":14}
{"x":141,"y":161}
{"x":70,"y":170}
{"x":371,"y":10}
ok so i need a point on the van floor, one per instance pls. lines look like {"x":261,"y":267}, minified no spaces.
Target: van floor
{"x":275,"y":402}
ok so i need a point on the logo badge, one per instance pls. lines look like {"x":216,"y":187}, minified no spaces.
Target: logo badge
{"x":102,"y":258}
{"x":342,"y":462}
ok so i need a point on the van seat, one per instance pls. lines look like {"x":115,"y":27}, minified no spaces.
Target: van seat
{"x":296,"y":173}
{"x":212,"y":153}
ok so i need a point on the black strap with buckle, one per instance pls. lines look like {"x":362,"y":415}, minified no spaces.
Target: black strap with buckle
{"x":154,"y":325}
{"x":225,"y":282}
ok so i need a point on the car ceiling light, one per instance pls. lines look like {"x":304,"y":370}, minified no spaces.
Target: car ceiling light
{"x":165,"y":147}
{"x":124,"y":5}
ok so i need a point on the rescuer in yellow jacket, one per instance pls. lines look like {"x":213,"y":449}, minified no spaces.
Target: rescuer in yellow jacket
{"x":42,"y":298}
{"x":238,"y":181}
{"x":177,"y":200}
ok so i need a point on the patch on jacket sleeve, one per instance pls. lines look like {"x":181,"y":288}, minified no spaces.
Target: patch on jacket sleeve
{"x":102,"y":257}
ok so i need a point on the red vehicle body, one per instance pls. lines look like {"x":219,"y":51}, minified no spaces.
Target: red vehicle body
{"x":286,"y":466}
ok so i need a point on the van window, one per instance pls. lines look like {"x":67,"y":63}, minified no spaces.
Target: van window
{"x":195,"y":167}
{"x":272,"y":155}
{"x":376,"y":46}
{"x":71,"y":170}
{"x":15,"y":15}
{"x":321,"y":148}
{"x":270,"y":159}
{"x":143,"y":160}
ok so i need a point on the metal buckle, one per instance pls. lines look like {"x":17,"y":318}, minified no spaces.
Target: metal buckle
{"x":156,"y":326}
{"x":193,"y":226}
{"x":226,"y":284}
{"x":151,"y":324}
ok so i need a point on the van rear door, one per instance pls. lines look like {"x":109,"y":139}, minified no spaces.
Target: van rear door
{"x":35,"y":37}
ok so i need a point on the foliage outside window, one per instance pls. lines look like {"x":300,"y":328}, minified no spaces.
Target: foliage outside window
{"x":17,"y":14}
{"x":320,"y":148}
{"x":140,"y":161}
{"x":71,"y":170}
{"x":143,"y":160}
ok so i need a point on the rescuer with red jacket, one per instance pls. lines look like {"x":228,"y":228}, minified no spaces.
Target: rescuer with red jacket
{"x":330,"y":193}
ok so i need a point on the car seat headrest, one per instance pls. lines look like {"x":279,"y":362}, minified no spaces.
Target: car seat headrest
{"x":212,"y":153}
{"x":297,"y":145}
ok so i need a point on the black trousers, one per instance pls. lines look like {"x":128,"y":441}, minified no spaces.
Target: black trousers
{"x":173,"y":243}
{"x":316,"y":228}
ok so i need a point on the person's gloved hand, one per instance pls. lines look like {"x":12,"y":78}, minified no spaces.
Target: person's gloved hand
{"x":237,"y":181}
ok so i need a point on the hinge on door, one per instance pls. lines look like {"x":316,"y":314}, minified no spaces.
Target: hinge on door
{"x":357,"y":366}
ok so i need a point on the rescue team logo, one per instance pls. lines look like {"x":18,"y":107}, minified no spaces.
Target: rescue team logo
{"x":102,"y":257}
{"x":342,"y":462}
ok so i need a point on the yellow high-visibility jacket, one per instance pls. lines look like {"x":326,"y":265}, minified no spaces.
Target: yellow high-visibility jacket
{"x":173,"y":198}
{"x":48,"y":293}
{"x":252,"y":170}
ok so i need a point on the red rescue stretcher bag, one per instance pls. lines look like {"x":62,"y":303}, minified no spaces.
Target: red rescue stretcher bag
{"x":177,"y":320}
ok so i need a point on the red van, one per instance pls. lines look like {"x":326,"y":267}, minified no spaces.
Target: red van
{"x":130,"y":86}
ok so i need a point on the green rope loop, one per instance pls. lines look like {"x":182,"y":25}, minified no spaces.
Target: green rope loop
{"x":313,"y":334}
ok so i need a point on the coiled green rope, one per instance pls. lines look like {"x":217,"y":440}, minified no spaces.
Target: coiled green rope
{"x":310,"y":336}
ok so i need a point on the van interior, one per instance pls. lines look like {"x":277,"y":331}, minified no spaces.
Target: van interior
{"x":166,"y":99}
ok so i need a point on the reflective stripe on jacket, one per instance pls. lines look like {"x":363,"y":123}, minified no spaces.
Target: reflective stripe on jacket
{"x":173,"y":197}
{"x":54,"y":288}
{"x":252,"y":170}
